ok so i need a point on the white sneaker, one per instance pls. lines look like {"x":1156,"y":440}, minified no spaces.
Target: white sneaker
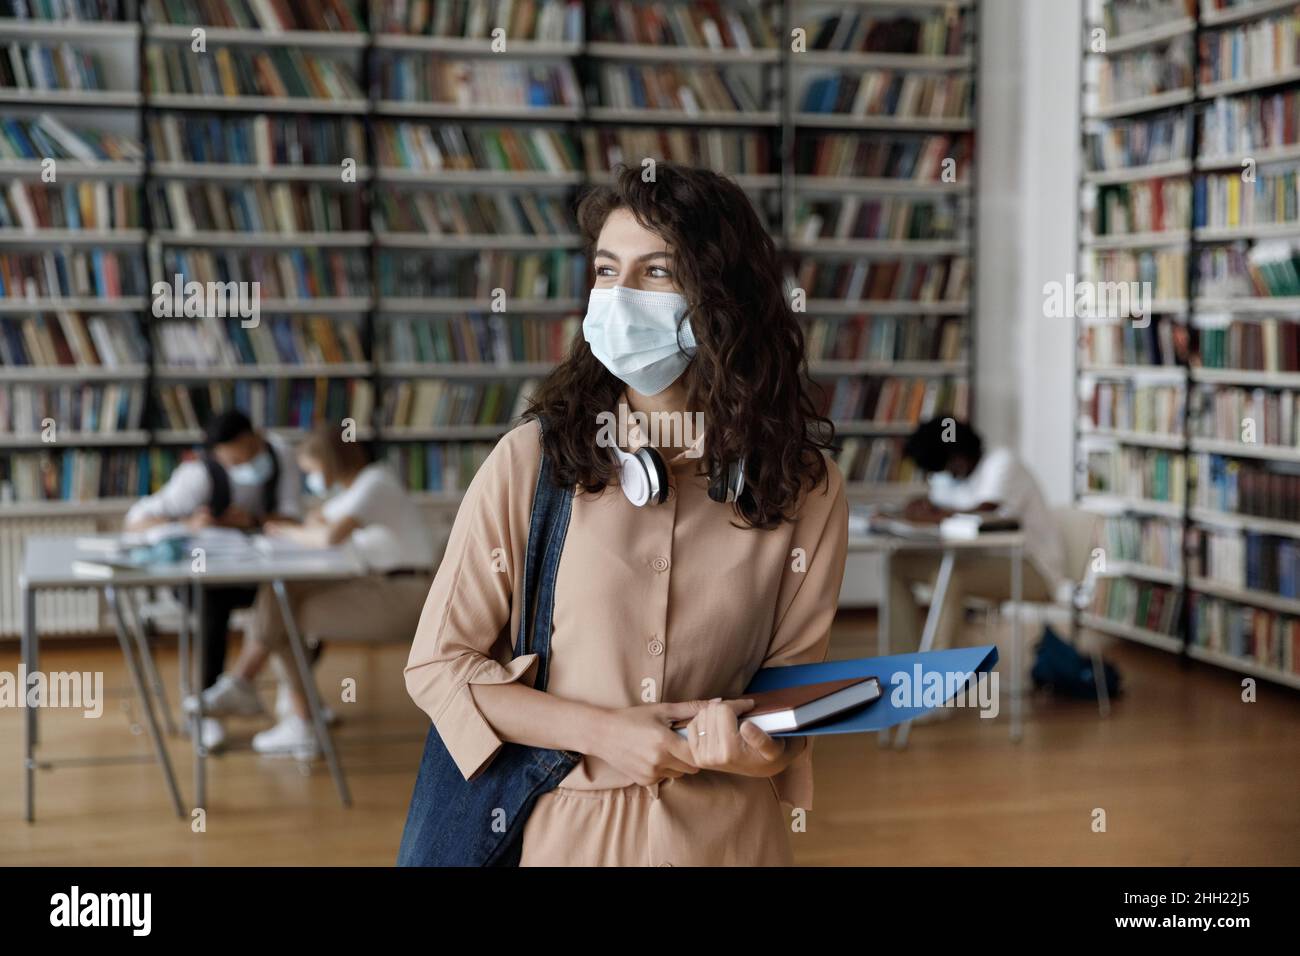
{"x":284,"y":706}
{"x":213,"y":734}
{"x":230,"y":696}
{"x":291,"y":737}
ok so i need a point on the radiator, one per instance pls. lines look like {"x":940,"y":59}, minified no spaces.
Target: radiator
{"x":75,"y":611}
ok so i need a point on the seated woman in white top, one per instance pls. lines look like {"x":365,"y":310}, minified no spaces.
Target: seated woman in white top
{"x":366,"y":509}
{"x":963,"y":477}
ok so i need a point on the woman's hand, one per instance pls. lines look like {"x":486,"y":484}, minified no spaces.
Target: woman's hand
{"x":719,"y":741}
{"x":639,"y":742}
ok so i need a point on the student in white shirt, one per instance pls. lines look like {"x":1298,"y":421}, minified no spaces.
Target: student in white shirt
{"x":963,"y":477}
{"x":366,"y":509}
{"x":243,"y":479}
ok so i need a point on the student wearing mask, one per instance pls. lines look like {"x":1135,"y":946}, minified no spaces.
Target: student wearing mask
{"x":367,"y":509}
{"x":243,"y":479}
{"x":965,"y":477}
{"x":674,"y":587}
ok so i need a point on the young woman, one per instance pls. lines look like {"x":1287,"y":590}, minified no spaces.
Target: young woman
{"x":664,"y":611}
{"x":365,"y":507}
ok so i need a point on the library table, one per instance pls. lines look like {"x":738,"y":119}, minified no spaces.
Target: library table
{"x":48,"y":564}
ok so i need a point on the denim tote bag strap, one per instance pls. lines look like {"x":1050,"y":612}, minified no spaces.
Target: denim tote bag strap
{"x":480,"y":822}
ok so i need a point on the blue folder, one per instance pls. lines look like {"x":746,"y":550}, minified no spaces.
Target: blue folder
{"x":902,"y":677}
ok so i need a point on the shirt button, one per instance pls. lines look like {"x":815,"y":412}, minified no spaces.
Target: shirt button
{"x":659,"y":563}
{"x":665,"y":863}
{"x":655,"y":647}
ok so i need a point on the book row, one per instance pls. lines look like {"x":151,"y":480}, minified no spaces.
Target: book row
{"x":1246,"y":559}
{"x":944,"y":280}
{"x":1151,"y":607}
{"x":261,"y":140}
{"x":283,"y":403}
{"x":453,"y":213}
{"x":904,"y":95}
{"x":1145,"y":473}
{"x":255,"y":207}
{"x":78,"y":476}
{"x":706,"y":25}
{"x":440,"y":403}
{"x":1245,"y":487}
{"x":1161,"y":342}
{"x":442,"y":467}
{"x":1164,"y":269}
{"x":76,"y":206}
{"x":1145,"y":72}
{"x":857,"y":217}
{"x":281,"y":71}
{"x":1153,"y":205}
{"x":1248,"y":633}
{"x":477,"y":84}
{"x":1131,"y":539}
{"x":272,"y":16}
{"x":46,"y":66}
{"x":211,"y":342}
{"x":1264,"y":345}
{"x":48,"y":137}
{"x":689,"y":89}
{"x":487,"y":275}
{"x":1251,"y":416}
{"x":477,"y":339}
{"x":874,"y":460}
{"x":922,"y":338}
{"x":895,"y":401}
{"x":1124,"y":406}
{"x":52,"y":412}
{"x":103,"y":273}
{"x":1226,"y":199}
{"x":70,"y":339}
{"x":1256,"y":50}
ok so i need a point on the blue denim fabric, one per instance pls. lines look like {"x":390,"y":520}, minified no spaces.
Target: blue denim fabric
{"x":480,"y":822}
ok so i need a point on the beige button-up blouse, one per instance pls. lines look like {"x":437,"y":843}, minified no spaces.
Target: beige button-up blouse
{"x":669,"y":602}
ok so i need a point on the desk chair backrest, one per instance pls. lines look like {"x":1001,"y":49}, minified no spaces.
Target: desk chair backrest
{"x":1079,"y":530}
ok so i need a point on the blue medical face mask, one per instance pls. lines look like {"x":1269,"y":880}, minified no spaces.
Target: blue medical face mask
{"x":256,"y":471}
{"x":633,"y":333}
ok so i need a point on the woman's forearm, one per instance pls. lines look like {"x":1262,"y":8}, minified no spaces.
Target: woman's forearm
{"x":522,"y":715}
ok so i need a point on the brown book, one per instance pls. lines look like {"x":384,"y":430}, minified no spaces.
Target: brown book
{"x":792,"y":708}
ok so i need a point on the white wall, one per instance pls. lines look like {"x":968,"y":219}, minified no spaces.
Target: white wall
{"x":1028,"y":160}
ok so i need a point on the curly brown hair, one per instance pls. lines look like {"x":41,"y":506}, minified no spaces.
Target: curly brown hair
{"x":749,"y":375}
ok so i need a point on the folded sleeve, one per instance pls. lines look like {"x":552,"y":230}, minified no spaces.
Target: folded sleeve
{"x":809,"y":595}
{"x":465,"y":632}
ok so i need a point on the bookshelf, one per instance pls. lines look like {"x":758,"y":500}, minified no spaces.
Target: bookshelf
{"x":1198,"y":530}
{"x":450,"y":201}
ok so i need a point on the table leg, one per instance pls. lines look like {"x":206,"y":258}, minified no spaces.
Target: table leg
{"x":147,"y":661}
{"x":183,"y":643}
{"x":1017,"y":595}
{"x":29,"y":713}
{"x":323,"y":736}
{"x":146,"y":700}
{"x":883,"y":626}
{"x":931,"y":625}
{"x":196,"y":723}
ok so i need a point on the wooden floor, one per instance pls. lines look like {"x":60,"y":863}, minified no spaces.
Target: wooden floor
{"x":1185,"y":771}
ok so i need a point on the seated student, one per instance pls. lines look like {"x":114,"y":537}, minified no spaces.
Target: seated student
{"x":368,"y":509}
{"x":963,"y":477}
{"x":243,"y":478}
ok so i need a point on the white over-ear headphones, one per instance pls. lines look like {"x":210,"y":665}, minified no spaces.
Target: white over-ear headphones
{"x":642,"y":475}
{"x":644,"y":478}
